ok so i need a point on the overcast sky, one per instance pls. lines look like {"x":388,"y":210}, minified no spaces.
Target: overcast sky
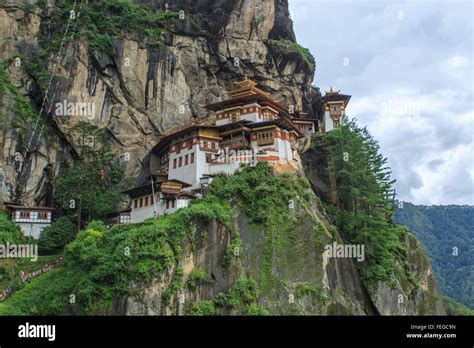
{"x":408,"y":66}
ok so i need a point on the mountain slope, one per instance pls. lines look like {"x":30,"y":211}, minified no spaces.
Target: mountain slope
{"x":241,"y":251}
{"x":143,"y":69}
{"x":447,"y":235}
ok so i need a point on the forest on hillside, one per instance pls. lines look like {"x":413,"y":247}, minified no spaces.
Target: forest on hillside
{"x":447,"y":234}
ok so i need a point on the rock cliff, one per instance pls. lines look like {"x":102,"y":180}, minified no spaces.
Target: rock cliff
{"x":139,"y":91}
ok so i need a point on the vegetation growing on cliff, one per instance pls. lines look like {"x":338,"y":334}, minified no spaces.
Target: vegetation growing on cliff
{"x":287,"y":46}
{"x":455,"y":308}
{"x":54,"y":237}
{"x":89,"y":189}
{"x":101,"y":23}
{"x":240,"y":300}
{"x":446,"y":233}
{"x":260,"y":194}
{"x":23,"y":109}
{"x":9,"y":231}
{"x":269,"y":201}
{"x":364,"y":200}
{"x":101,"y":265}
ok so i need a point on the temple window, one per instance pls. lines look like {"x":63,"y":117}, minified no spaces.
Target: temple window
{"x":174,"y":163}
{"x":265,"y":138}
{"x":192,"y":158}
{"x":180,"y":162}
{"x":186,"y":158}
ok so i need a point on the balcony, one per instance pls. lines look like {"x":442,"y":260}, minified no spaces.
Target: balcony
{"x":265,"y":141}
{"x":235,"y":143}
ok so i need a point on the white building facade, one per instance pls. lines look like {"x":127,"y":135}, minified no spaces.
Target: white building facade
{"x":32,"y":220}
{"x":246,"y":128}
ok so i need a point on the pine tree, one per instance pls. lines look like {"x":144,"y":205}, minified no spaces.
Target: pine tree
{"x":364,"y":197}
{"x":88,"y":188}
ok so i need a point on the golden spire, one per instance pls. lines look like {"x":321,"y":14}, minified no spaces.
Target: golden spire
{"x":247,"y":83}
{"x":331,"y":92}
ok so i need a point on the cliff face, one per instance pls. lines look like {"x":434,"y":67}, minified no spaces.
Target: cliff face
{"x":296,"y":278}
{"x":400,"y":295}
{"x":293,"y":274}
{"x":138,"y":93}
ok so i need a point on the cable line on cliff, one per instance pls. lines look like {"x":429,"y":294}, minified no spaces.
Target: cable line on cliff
{"x":24,"y":167}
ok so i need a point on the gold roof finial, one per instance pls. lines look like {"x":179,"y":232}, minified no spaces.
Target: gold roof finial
{"x":332,"y":92}
{"x":245,"y":83}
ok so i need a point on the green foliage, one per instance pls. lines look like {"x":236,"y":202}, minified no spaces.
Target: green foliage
{"x":364,"y":199}
{"x":440,"y":229}
{"x":10,"y":269}
{"x":128,"y":258}
{"x":264,"y":198}
{"x":96,"y":225}
{"x":315,"y":89}
{"x":454,"y":308}
{"x":54,"y":237}
{"x":92,"y":183}
{"x":9,"y":231}
{"x":202,"y":308}
{"x":196,"y":277}
{"x":101,"y":23}
{"x":316,"y":295}
{"x":287,"y":46}
{"x":241,"y":299}
{"x":259,"y":19}
{"x":175,"y":285}
{"x":258,"y":193}
{"x":254,"y":310}
{"x":24,"y":112}
{"x":101,"y":266}
{"x":47,"y":294}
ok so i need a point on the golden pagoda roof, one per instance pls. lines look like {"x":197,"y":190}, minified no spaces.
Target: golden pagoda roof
{"x":246,"y":92}
{"x":246,"y":87}
{"x":331,"y":92}
{"x":189,"y":123}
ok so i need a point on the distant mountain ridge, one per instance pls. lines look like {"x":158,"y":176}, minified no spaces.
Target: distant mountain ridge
{"x":447,"y":234}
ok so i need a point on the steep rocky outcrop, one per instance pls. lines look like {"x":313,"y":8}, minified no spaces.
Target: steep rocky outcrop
{"x":139,"y":92}
{"x":399,"y":296}
{"x":301,"y":264}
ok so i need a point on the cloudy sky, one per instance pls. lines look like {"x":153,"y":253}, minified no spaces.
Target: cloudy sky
{"x":408,"y":66}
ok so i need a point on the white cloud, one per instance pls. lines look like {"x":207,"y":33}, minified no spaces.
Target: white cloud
{"x":411,"y":83}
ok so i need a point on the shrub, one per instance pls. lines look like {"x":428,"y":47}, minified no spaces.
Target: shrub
{"x":196,"y":277}
{"x":96,"y":225}
{"x":287,"y":46}
{"x":241,"y":299}
{"x":202,"y":308}
{"x":9,"y":231}
{"x":54,"y":237}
